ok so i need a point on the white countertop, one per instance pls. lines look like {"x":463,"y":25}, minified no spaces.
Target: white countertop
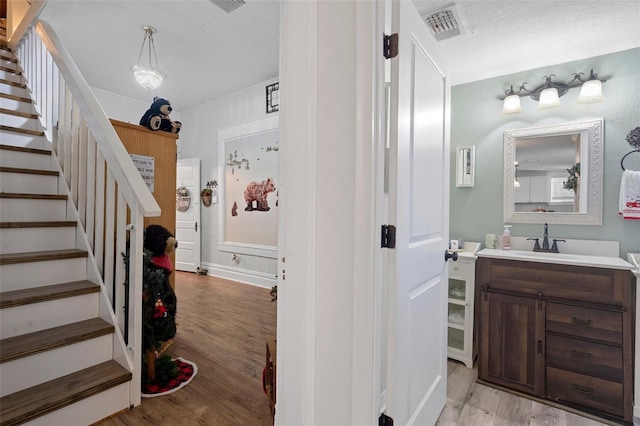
{"x":558,"y":258}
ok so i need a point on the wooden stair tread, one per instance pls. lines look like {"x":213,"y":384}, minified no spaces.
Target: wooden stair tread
{"x":40,"y":256}
{"x":25,"y":345}
{"x":7,"y":69}
{"x":24,"y":149}
{"x":29,"y":171}
{"x":25,"y":131}
{"x":16,"y":195}
{"x":38,"y":224}
{"x":10,"y":299}
{"x":13,"y":83}
{"x":28,"y":404}
{"x":18,"y":113}
{"x":9,"y":57}
{"x":15,"y":97}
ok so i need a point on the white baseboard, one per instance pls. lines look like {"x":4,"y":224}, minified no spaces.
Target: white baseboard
{"x":258,"y":279}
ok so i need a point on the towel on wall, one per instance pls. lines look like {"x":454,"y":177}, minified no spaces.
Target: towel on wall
{"x":630,"y":195}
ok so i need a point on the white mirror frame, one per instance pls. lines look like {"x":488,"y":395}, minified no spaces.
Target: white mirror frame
{"x":465,"y":166}
{"x":592,"y":132}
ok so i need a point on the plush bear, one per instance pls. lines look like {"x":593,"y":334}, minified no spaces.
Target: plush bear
{"x":258,"y":191}
{"x":157,"y":117}
{"x":158,"y":298}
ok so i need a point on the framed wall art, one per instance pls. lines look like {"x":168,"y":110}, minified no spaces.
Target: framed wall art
{"x":273,"y":97}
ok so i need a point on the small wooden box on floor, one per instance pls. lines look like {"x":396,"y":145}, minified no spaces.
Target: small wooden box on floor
{"x":270,"y":374}
{"x":162,"y":147}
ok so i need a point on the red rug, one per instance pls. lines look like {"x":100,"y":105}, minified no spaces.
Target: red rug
{"x":187,"y":370}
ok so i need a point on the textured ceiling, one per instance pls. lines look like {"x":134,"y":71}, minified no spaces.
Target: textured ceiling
{"x":207,"y":53}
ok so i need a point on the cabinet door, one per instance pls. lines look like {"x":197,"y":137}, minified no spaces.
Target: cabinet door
{"x":512,"y":342}
{"x":538,"y":191}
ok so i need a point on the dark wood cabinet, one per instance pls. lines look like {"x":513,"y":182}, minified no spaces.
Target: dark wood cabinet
{"x":558,"y":332}
{"x":513,"y":333}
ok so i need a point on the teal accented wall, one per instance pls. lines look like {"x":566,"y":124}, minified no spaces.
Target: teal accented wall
{"x":477,"y":119}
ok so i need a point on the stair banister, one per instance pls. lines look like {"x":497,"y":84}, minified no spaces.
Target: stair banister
{"x":109,"y":196}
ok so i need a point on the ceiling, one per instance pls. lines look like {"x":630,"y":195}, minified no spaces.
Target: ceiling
{"x":208,"y":53}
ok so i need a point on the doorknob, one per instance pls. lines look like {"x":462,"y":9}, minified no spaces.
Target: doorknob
{"x":453,"y":256}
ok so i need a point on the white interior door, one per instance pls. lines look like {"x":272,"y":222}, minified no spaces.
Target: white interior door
{"x":419,"y":199}
{"x":188,"y":222}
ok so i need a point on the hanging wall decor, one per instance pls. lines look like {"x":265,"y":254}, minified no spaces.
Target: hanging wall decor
{"x":183,"y":199}
{"x":209,"y":194}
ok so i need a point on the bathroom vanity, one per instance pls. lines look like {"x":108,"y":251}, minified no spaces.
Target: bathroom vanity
{"x":559,"y":327}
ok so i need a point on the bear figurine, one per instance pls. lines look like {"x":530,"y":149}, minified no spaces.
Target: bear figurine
{"x":258,"y":191}
{"x":157,"y":117}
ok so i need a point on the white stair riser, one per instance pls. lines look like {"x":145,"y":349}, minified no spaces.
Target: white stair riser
{"x":25,"y":141}
{"x":89,"y":410}
{"x":22,"y":240}
{"x":10,"y":89}
{"x":14,"y":105}
{"x":51,"y":313}
{"x":28,"y":123}
{"x":6,"y":75}
{"x":26,"y":183}
{"x":37,"y":274}
{"x":12,"y":210}
{"x":25,"y":372}
{"x":28,"y":160}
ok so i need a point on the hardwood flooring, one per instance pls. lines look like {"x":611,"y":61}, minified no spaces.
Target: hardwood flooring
{"x":222,"y":327}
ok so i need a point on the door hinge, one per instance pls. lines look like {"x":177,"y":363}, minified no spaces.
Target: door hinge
{"x":385,"y":420}
{"x":388,"y":236}
{"x":390,"y":46}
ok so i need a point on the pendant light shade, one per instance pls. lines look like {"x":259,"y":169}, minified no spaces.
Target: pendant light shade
{"x":549,"y":98}
{"x":591,"y":92}
{"x":148,"y":76}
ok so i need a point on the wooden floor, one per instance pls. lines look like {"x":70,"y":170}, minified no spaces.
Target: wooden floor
{"x":222,"y":327}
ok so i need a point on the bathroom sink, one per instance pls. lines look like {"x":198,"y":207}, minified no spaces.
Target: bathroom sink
{"x":558,"y":258}
{"x":546,"y":255}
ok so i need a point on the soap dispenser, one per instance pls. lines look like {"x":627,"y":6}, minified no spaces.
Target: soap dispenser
{"x":506,"y":238}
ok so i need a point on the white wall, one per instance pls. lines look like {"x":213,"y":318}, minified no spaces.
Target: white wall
{"x":126,"y":109}
{"x":199,"y":139}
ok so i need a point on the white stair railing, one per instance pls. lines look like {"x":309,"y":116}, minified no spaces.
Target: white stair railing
{"x":107,"y":191}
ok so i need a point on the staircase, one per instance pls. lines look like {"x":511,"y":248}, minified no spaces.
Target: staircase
{"x":57,"y":362}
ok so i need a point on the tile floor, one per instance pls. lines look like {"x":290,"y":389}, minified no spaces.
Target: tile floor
{"x":471,"y":403}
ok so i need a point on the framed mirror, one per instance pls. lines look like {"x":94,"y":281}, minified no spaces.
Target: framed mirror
{"x":553,"y":174}
{"x":465,"y":166}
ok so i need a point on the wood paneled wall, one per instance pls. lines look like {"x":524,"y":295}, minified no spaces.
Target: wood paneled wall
{"x":162,"y":146}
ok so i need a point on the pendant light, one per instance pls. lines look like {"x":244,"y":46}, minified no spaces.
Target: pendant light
{"x":148,"y":76}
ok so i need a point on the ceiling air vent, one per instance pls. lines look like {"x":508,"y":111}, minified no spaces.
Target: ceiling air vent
{"x":445,"y":23}
{"x":228,"y":5}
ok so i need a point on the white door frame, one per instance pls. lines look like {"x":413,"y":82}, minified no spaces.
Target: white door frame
{"x":329,"y":287}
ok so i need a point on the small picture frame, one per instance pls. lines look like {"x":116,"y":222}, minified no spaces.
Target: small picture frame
{"x":273,"y":97}
{"x":465,"y":166}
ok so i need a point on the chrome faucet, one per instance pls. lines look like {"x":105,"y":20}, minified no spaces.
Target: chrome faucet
{"x":545,"y":241}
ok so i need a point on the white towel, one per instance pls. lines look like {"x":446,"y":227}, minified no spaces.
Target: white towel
{"x":630,"y":195}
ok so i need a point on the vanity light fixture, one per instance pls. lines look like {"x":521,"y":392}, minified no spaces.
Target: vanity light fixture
{"x":548,"y":94}
{"x":149,"y":77}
